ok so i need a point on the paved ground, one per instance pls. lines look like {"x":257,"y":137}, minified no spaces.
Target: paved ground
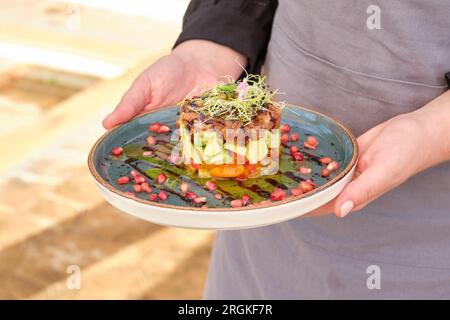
{"x":52,"y":219}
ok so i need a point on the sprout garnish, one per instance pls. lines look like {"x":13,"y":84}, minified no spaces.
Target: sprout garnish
{"x":237,"y":100}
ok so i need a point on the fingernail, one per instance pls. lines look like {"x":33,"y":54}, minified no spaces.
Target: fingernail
{"x":346,"y":207}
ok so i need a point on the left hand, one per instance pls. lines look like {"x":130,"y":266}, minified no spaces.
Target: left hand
{"x":390,"y":153}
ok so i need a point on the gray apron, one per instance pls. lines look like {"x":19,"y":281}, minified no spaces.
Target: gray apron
{"x":323,"y":56}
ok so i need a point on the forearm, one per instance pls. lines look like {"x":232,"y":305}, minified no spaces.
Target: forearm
{"x":214,"y":58}
{"x":435,"y":121}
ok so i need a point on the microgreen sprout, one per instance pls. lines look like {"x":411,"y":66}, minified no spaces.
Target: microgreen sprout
{"x":235,"y":100}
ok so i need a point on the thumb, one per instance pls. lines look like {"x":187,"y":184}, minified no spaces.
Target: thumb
{"x":371,"y":183}
{"x":131,"y":104}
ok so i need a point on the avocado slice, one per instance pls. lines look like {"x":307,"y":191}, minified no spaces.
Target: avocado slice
{"x":216,"y":159}
{"x":236,"y":148}
{"x":213,"y":152}
{"x":273,"y":139}
{"x":208,"y":136}
{"x":189,"y":152}
{"x":256,"y":150}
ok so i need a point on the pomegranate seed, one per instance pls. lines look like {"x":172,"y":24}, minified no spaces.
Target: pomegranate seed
{"x":199,"y":200}
{"x":285,"y":128}
{"x":123,"y":180}
{"x":277,"y":194}
{"x":325,"y":172}
{"x":137,"y":188}
{"x":310,"y":182}
{"x":151,"y":140}
{"x":153,"y":197}
{"x":311,"y":142}
{"x":117,"y":151}
{"x":245,"y":199}
{"x":134,"y":173}
{"x":297,"y":156}
{"x":147,"y":154}
{"x":162,"y":196}
{"x":139,"y":179}
{"x":305,"y":186}
{"x":163,"y":129}
{"x":294,"y":137}
{"x":218,"y":196}
{"x":305,"y":170}
{"x":294,"y":149}
{"x":333,"y":166}
{"x":191,"y":195}
{"x":154,"y":127}
{"x":325,"y":160}
{"x":284,"y":138}
{"x":297,"y":191}
{"x":236,"y":203}
{"x":146,"y":188}
{"x":184,"y":187}
{"x":211,"y":186}
{"x":161,"y":178}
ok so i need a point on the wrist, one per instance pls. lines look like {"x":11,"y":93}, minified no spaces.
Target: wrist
{"x":216,"y":59}
{"x":435,"y":117}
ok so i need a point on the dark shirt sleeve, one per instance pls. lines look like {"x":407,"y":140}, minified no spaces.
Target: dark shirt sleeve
{"x":243,"y":25}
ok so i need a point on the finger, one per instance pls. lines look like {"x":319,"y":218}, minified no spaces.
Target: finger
{"x":367,"y":138}
{"x":363,"y":142}
{"x":328,"y":207}
{"x":370,"y":184}
{"x":324,"y":210}
{"x":132,"y":102}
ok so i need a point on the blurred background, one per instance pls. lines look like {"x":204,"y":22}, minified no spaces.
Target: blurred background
{"x":63,"y":66}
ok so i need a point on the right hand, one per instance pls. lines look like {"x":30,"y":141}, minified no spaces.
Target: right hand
{"x":171,"y":78}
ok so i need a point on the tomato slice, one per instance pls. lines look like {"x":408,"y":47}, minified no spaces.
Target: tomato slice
{"x":227,"y":171}
{"x":251,"y":168}
{"x":194,"y":166}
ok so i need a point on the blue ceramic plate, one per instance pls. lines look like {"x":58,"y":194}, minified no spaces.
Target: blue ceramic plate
{"x":335,"y":141}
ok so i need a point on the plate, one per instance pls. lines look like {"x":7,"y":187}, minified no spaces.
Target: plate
{"x":335,"y":141}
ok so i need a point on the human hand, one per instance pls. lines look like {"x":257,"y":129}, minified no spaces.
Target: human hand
{"x":390,"y":153}
{"x":171,"y":78}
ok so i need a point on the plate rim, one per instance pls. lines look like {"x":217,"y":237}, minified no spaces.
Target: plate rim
{"x":200,"y":210}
